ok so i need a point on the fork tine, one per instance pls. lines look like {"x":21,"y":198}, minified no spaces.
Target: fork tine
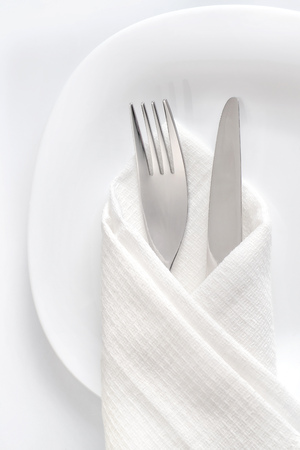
{"x":165,"y":162}
{"x":156,"y":166}
{"x":142,"y":160}
{"x":176,"y":159}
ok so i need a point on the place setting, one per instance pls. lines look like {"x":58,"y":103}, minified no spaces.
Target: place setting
{"x":163,"y":230}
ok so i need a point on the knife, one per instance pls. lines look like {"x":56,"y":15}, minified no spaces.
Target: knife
{"x":225,"y":202}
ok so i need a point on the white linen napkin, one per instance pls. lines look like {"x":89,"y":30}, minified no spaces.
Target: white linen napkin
{"x":188,"y":362}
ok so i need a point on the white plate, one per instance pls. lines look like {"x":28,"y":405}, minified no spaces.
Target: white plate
{"x":197,"y":58}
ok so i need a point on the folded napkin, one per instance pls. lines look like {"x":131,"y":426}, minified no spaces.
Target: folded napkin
{"x":188,"y":362}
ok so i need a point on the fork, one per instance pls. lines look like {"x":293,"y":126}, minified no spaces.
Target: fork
{"x":163,"y":184}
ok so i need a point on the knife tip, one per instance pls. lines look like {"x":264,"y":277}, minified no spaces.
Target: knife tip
{"x":233,"y":101}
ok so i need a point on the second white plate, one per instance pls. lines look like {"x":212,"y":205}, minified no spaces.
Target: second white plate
{"x":197,"y":59}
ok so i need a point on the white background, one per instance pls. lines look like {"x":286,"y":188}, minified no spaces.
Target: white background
{"x":42,"y":406}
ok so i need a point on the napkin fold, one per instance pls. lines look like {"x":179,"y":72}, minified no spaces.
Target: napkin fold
{"x":188,"y":362}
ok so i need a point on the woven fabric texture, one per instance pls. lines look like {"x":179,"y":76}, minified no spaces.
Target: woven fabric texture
{"x":188,"y":361}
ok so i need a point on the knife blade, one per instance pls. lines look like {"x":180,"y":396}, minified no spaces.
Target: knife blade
{"x":225,"y":202}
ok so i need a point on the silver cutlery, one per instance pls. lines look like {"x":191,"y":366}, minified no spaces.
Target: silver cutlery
{"x":163,"y":184}
{"x":225,"y":203}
